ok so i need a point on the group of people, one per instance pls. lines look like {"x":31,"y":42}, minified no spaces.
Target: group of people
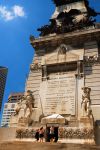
{"x":39,"y":135}
{"x":49,"y":135}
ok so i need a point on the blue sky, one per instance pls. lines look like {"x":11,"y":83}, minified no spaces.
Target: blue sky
{"x":18,"y":20}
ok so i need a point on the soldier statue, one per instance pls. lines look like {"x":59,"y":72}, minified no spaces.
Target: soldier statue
{"x":86,"y":101}
{"x":29,"y":101}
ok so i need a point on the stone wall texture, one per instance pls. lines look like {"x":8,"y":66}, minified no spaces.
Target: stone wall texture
{"x":7,"y":134}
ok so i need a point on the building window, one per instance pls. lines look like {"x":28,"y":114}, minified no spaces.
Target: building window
{"x":6,"y":106}
{"x":13,"y":105}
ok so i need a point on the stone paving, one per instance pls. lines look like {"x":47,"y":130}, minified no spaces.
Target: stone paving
{"x":22,"y":145}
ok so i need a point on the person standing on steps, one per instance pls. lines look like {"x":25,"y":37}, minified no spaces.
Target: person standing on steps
{"x":51,"y":134}
{"x":41,"y":134}
{"x":37,"y":135}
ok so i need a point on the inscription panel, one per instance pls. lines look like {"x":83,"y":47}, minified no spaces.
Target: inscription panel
{"x":60,"y":96}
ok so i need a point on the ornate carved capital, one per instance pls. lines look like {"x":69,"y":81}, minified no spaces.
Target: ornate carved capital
{"x":35,"y":66}
{"x":95,"y":59}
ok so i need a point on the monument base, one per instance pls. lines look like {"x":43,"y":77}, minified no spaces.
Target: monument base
{"x":77,"y":134}
{"x":86,"y":122}
{"x":23,"y":122}
{"x":82,"y":132}
{"x":78,"y":141}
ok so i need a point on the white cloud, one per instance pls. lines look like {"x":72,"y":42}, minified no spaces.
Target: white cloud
{"x":18,"y":11}
{"x":14,"y":12}
{"x":5,"y":14}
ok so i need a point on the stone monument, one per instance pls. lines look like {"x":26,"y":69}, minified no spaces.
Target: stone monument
{"x":66,"y":62}
{"x":86,"y":101}
{"x":24,"y":111}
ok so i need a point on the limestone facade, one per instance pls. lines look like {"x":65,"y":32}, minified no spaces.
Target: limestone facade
{"x":60,"y":70}
{"x":64,"y":74}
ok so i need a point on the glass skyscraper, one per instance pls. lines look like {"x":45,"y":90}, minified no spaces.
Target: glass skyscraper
{"x":3,"y":76}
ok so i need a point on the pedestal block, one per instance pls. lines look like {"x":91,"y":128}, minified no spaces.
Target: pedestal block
{"x":23,"y":122}
{"x":86,"y":122}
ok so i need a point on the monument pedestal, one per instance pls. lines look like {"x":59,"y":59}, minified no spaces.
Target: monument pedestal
{"x":81,"y":132}
{"x":14,"y":121}
{"x":87,"y":128}
{"x":86,"y":122}
{"x":23,"y":122}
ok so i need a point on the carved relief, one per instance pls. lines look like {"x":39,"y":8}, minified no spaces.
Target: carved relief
{"x":62,"y":55}
{"x":62,"y":49}
{"x":76,"y":133}
{"x":67,"y":133}
{"x":25,"y":133}
{"x":36,"y":65}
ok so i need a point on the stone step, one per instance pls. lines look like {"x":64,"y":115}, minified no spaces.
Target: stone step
{"x":62,"y":144}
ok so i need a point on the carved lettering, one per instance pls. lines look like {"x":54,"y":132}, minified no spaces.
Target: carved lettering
{"x":60,"y":97}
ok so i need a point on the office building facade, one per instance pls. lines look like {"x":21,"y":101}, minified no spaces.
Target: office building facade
{"x":3,"y":76}
{"x":9,"y":108}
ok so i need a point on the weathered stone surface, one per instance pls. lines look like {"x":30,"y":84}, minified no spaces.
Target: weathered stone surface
{"x":62,"y":65}
{"x":44,"y":146}
{"x":7,"y":134}
{"x":76,"y":133}
{"x":63,"y":100}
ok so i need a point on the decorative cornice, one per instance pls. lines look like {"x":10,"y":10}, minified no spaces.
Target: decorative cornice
{"x":68,"y":38}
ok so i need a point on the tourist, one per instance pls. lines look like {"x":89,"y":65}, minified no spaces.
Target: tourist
{"x":41,"y":134}
{"x":55,"y":134}
{"x":51,"y":134}
{"x":47,"y":134}
{"x":37,"y":135}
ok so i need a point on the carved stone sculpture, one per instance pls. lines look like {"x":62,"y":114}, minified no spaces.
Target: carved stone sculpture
{"x":68,"y":20}
{"x":18,"y":107}
{"x":76,"y":133}
{"x":17,"y":111}
{"x":36,"y":65}
{"x":86,"y":101}
{"x":25,"y":133}
{"x":29,"y":101}
{"x":26,"y":103}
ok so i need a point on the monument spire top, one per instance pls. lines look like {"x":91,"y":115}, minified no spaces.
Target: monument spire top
{"x":64,"y":2}
{"x":69,"y":15}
